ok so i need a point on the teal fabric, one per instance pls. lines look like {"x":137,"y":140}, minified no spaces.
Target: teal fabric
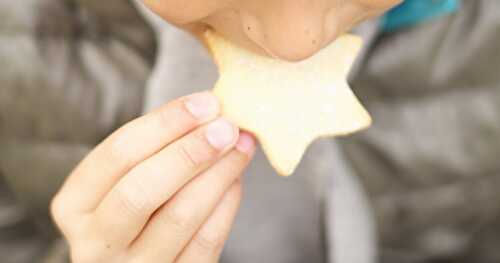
{"x":412,"y":12}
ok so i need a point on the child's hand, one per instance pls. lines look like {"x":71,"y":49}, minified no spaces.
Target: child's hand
{"x":163,"y":188}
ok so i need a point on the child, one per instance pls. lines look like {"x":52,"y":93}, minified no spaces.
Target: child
{"x":162,"y":191}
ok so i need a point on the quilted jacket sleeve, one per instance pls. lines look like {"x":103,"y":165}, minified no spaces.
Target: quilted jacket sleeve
{"x":70,"y":73}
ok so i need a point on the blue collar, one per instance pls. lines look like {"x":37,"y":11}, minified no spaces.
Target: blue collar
{"x":412,"y":12}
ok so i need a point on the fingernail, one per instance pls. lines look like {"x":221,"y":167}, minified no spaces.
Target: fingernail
{"x":246,"y":143}
{"x":202,"y":105}
{"x":220,"y":134}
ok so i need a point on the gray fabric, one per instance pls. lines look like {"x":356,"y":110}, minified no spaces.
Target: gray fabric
{"x":349,"y":218}
{"x":430,"y":162}
{"x":70,"y":75}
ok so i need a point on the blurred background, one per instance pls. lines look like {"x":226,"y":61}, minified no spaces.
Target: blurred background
{"x":72,"y":71}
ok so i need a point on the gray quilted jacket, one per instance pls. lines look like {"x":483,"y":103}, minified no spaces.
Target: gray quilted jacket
{"x":72,"y":71}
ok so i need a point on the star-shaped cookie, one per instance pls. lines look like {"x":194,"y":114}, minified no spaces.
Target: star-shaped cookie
{"x":287,"y":105}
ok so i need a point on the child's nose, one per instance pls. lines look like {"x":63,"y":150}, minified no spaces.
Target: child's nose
{"x":292,"y":33}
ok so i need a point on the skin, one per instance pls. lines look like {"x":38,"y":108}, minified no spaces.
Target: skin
{"x":166,"y":186}
{"x":163,"y":188}
{"x":286,"y":29}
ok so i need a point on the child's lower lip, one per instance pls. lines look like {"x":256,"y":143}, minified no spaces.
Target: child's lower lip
{"x":273,"y":55}
{"x":286,"y":57}
{"x":266,"y":50}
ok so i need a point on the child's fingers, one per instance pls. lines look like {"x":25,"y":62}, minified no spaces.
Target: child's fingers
{"x":174,"y":225}
{"x":207,"y":244}
{"x":131,"y":144}
{"x":127,"y":207}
